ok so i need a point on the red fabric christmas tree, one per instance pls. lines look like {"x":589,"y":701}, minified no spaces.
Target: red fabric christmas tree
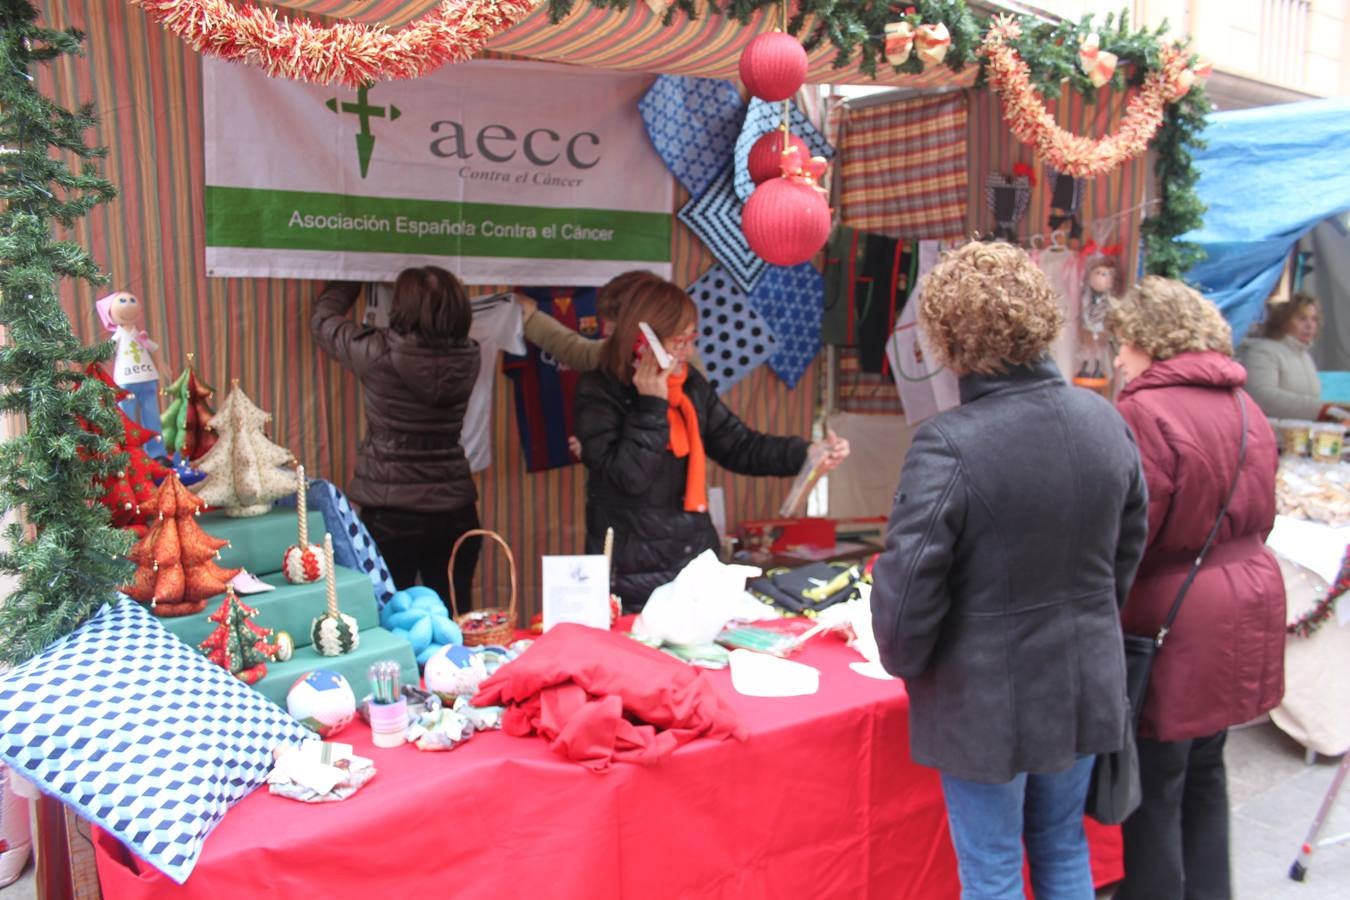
{"x":175,"y":563}
{"x":188,"y":416}
{"x":126,"y":491}
{"x":237,"y":644}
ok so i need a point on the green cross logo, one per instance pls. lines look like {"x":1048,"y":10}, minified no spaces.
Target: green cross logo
{"x":365,"y":141}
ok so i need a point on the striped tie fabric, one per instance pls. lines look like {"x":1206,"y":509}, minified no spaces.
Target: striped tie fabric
{"x":904,"y":168}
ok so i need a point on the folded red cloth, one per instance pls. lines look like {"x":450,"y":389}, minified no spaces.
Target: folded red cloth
{"x":599,"y":696}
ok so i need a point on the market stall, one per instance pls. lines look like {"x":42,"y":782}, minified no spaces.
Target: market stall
{"x":1311,"y":535}
{"x":217,"y":289}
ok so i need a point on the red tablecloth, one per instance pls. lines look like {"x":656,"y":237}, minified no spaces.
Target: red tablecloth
{"x":822,"y":801}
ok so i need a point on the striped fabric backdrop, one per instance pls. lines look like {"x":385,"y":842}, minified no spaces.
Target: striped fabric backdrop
{"x":903,"y":169}
{"x":1112,"y":205}
{"x":146,"y":89}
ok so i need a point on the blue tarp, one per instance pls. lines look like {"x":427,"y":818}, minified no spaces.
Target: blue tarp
{"x":1268,"y":176}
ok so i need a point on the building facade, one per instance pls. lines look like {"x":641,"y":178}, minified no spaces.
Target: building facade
{"x":1264,"y":51}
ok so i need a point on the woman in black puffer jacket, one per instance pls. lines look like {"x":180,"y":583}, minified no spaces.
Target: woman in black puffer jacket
{"x":645,"y":437}
{"x":412,"y":478}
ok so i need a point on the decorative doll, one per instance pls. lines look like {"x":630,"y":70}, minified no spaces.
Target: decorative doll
{"x":136,"y":366}
{"x":1100,"y":285}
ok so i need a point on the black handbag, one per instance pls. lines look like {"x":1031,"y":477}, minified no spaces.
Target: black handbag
{"x":1114,"y":790}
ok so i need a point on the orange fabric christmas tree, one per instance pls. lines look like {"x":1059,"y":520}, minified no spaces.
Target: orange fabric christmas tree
{"x":175,"y":563}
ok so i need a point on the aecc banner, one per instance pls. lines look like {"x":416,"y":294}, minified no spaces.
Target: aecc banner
{"x":503,"y":172}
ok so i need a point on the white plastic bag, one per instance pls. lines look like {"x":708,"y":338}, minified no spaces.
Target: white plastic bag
{"x":695,"y":607}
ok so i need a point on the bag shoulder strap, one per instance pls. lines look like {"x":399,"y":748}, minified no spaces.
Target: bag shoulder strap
{"x":1213,"y":532}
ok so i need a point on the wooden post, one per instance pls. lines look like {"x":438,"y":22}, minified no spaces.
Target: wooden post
{"x":53,"y":851}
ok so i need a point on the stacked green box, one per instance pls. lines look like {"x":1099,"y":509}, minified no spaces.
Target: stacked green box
{"x":257,"y":544}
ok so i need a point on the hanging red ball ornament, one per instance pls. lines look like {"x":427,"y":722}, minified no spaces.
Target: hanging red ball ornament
{"x":766,"y":155}
{"x":786,"y":222}
{"x":773,"y":66}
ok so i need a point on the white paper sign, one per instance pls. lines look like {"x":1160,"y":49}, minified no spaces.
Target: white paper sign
{"x":576,"y":589}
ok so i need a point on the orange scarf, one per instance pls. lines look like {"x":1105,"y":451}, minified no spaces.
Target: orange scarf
{"x":685,"y":440}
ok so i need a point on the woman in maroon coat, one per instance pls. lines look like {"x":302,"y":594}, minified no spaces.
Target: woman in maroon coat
{"x":1223,"y":661}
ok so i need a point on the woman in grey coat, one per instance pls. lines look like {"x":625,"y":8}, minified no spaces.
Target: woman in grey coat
{"x":1019,"y":522}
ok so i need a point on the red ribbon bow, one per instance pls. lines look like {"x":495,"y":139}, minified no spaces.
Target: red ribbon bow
{"x":1109,"y":250}
{"x":807,"y":172}
{"x":1022,"y":169}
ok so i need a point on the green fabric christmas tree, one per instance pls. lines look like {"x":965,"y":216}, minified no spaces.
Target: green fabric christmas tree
{"x":237,"y":644}
{"x":68,"y":559}
{"x":187,"y":418}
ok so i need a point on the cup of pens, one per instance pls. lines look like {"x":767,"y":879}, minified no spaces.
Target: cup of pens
{"x":388,"y":707}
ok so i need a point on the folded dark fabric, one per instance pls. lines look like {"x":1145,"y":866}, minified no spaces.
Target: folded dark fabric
{"x":809,"y":588}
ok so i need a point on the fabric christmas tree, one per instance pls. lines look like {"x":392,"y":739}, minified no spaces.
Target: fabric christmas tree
{"x":238,"y":645}
{"x":126,"y":490}
{"x":242,"y":473}
{"x":175,"y":563}
{"x":187,"y":418}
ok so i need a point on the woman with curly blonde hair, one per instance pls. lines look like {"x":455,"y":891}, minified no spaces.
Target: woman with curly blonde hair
{"x":1014,"y":535}
{"x":1223,"y":660}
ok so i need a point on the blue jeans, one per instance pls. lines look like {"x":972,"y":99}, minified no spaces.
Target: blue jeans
{"x":142,"y":407}
{"x":990,"y":822}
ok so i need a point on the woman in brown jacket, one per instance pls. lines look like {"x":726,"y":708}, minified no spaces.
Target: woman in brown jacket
{"x":1223,"y":661}
{"x":412,"y":478}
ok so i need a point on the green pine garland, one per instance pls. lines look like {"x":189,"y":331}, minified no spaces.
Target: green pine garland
{"x":69,"y":560}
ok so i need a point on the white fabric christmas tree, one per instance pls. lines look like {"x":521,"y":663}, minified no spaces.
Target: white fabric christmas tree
{"x":243,"y":473}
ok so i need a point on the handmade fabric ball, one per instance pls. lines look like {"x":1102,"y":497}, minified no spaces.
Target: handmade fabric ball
{"x":322,"y":701}
{"x":786,"y":222}
{"x":455,"y":670}
{"x":766,"y":155}
{"x":335,"y":635}
{"x":303,"y":565}
{"x":773,"y":66}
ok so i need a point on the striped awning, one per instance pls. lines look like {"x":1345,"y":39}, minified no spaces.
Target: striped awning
{"x":634,"y":39}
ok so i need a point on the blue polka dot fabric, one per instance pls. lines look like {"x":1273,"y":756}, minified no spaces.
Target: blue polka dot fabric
{"x":715,"y":217}
{"x":792,"y":300}
{"x":693,"y":123}
{"x":761,"y":118}
{"x":733,"y":338}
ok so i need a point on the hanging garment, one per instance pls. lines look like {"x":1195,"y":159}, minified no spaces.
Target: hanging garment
{"x":498,"y":329}
{"x":868,"y":280}
{"x":543,"y":386}
{"x":926,"y":388}
{"x":903,"y":167}
{"x":1063,"y":268}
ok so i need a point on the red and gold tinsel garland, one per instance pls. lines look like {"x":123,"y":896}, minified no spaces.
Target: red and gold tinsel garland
{"x":348,"y":53}
{"x":1082,"y":157}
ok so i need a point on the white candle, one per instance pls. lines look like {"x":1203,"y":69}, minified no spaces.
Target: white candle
{"x":332,"y":579}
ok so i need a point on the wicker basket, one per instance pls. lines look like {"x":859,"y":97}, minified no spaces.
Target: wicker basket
{"x":493,"y":625}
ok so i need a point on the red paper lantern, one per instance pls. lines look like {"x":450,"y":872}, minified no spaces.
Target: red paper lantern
{"x":766,"y":155}
{"x":773,"y":66}
{"x":786,"y":222}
